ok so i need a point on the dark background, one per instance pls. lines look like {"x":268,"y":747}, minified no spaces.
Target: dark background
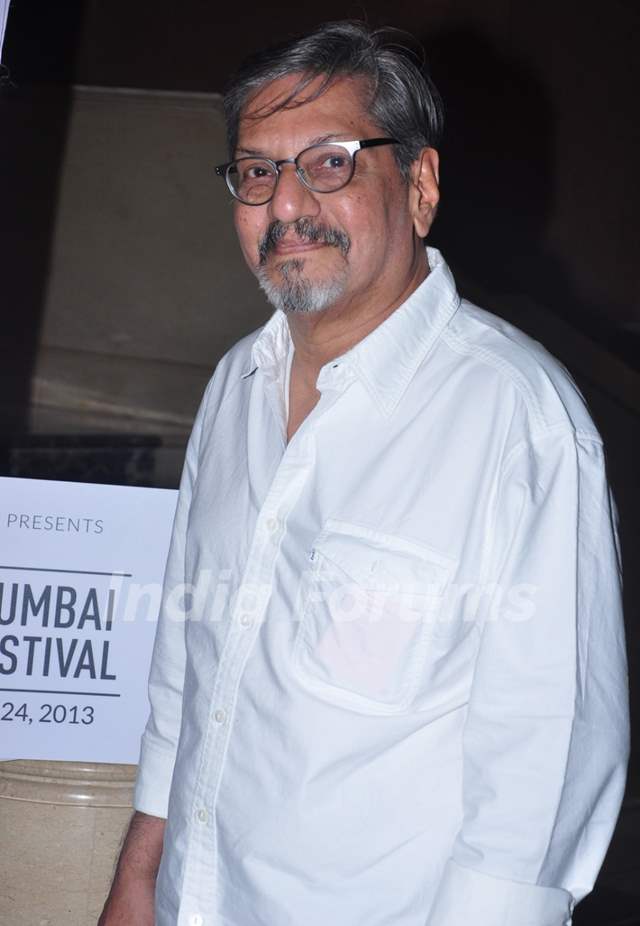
{"x":539,"y":199}
{"x":541,"y":122}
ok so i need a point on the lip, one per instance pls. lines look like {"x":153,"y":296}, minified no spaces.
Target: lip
{"x":291,"y":247}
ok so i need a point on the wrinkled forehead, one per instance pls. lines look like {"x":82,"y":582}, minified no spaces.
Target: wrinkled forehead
{"x":335,"y":106}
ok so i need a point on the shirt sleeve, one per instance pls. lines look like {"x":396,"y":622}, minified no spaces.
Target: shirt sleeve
{"x":546,"y":737}
{"x":166,"y":676}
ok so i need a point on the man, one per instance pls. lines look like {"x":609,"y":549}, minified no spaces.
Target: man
{"x":413,"y":708}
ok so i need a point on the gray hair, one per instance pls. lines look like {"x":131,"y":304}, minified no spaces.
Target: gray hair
{"x":403,"y":101}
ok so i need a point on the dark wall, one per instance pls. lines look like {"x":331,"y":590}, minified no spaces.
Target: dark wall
{"x":542,"y":145}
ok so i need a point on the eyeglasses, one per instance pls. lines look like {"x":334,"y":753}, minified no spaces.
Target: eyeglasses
{"x":322,"y":168}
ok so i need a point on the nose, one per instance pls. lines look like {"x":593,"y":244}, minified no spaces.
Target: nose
{"x":292,"y":200}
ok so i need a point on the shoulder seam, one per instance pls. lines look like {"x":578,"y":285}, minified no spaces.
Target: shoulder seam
{"x":564,"y":430}
{"x":462,"y":346}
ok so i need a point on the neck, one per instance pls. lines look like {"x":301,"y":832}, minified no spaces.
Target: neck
{"x":319,"y":337}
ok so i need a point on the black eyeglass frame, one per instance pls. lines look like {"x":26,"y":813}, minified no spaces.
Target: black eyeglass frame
{"x":352,"y":148}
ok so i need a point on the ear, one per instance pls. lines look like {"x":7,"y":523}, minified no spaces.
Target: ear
{"x":423,"y":190}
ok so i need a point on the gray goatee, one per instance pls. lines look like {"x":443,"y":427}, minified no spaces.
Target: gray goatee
{"x":293,"y":292}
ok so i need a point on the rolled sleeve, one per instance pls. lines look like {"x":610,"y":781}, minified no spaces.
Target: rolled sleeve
{"x":546,"y":738}
{"x":464,"y":891}
{"x":166,"y":677}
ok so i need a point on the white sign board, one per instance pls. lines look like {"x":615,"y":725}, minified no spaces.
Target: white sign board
{"x":81,"y":570}
{"x":4,"y":13}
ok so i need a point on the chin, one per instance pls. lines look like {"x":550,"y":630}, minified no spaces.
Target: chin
{"x":292,"y":291}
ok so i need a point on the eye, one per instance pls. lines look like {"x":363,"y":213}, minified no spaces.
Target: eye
{"x":335,"y":162}
{"x":326,"y":167}
{"x":257,"y":172}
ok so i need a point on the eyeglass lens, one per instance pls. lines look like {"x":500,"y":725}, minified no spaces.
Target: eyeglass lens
{"x":325,"y":168}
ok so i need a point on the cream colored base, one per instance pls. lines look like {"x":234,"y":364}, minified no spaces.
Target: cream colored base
{"x":61,"y":826}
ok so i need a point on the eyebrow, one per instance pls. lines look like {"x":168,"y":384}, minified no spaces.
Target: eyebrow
{"x":319,"y":140}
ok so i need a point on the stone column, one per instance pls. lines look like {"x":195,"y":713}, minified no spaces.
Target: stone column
{"x":61,"y":826}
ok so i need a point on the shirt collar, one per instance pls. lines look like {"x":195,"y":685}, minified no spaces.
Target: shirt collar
{"x":386,"y":360}
{"x":270,"y":348}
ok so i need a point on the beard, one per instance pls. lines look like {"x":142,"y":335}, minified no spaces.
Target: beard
{"x":292,"y":290}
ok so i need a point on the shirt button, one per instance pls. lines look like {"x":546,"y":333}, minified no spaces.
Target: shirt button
{"x":246,"y":620}
{"x":196,"y":920}
{"x":220,"y":716}
{"x":202,"y":815}
{"x":272,"y":525}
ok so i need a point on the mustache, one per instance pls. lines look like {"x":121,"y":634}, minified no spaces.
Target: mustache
{"x":306,"y":230}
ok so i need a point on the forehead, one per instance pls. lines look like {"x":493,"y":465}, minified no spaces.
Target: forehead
{"x":341,"y":111}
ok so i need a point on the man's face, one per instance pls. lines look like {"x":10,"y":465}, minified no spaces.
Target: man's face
{"x":315,"y":250}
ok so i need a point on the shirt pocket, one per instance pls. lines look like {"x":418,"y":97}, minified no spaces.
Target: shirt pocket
{"x":371,"y":606}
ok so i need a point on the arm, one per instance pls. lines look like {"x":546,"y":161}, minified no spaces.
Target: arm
{"x":166,"y":676}
{"x":545,"y":744}
{"x":131,"y":897}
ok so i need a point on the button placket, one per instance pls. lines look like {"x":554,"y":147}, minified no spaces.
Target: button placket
{"x":249,"y":601}
{"x":252,"y":602}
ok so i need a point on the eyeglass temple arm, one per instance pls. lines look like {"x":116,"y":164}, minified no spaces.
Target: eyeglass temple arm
{"x":374,"y":142}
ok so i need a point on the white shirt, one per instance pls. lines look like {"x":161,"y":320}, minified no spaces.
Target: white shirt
{"x":400,"y":697}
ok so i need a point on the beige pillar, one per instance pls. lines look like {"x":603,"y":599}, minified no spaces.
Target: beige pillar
{"x":61,"y":825}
